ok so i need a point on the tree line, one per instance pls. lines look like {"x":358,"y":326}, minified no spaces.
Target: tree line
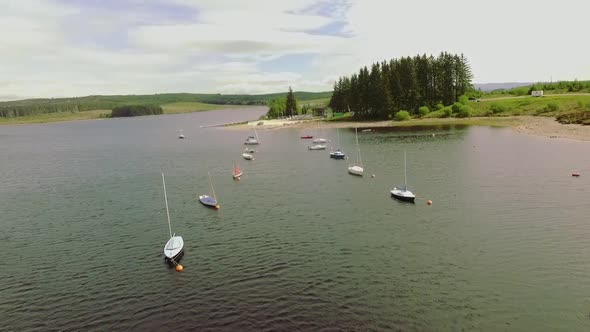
{"x":135,"y":110}
{"x":400,"y":84}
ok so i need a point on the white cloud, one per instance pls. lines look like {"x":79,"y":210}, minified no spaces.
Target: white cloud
{"x":53,"y":49}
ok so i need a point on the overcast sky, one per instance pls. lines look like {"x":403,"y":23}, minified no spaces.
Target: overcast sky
{"x":57,"y":48}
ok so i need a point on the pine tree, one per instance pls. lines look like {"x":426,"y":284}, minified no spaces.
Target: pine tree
{"x":291,"y":108}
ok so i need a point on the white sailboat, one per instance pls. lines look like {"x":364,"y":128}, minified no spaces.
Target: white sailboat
{"x":403,"y":194}
{"x":317,"y":147}
{"x":174,"y":248}
{"x":319,"y":139}
{"x":252,"y":140}
{"x":357,"y":167}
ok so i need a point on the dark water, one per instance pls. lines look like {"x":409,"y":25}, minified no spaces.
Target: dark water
{"x":298,"y":244}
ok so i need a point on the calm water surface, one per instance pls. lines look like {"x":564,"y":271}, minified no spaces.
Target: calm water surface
{"x":298,"y":244}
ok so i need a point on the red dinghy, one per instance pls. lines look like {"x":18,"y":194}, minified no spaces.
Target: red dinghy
{"x":576,"y":174}
{"x":237,"y":172}
{"x":307,"y":137}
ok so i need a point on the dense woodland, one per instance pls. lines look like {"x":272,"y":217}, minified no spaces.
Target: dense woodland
{"x":89,"y":103}
{"x":406,"y":84}
{"x":136,"y":110}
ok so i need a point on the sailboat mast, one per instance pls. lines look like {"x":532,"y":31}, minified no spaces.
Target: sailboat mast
{"x":166,"y":200}
{"x":405,"y":176}
{"x":358,"y":147}
{"x":211,"y":182}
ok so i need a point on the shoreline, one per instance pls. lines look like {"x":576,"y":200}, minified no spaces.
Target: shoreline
{"x":529,"y":125}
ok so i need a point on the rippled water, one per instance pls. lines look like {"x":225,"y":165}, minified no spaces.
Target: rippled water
{"x":298,"y":244}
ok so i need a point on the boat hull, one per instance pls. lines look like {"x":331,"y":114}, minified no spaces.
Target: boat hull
{"x":174,"y":250}
{"x":317,"y":147}
{"x":335,"y":155}
{"x":319,"y":140}
{"x":237,"y":176}
{"x":247,"y":156}
{"x":403,"y":195}
{"x":306,"y":137}
{"x":356,"y":170}
{"x":251,"y":143}
{"x":208,"y":201}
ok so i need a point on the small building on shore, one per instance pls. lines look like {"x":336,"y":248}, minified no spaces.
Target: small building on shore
{"x":537,"y":93}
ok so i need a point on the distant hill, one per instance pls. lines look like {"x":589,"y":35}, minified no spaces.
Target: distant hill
{"x":89,"y":103}
{"x":487,"y":87}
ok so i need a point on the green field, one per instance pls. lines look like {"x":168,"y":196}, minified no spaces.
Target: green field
{"x":172,"y":108}
{"x":567,"y":108}
{"x":55,"y":117}
{"x":315,"y":102}
{"x":189,"y":107}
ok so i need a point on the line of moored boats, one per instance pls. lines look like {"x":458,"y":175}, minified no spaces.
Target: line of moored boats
{"x":174,"y":248}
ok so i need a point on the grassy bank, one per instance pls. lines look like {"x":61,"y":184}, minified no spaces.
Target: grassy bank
{"x":568,"y":108}
{"x":172,"y":108}
{"x":56,"y":117}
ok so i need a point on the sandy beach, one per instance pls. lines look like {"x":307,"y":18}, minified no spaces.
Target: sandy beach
{"x":530,"y":125}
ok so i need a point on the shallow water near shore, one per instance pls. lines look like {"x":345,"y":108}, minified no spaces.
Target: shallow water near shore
{"x":298,"y":243}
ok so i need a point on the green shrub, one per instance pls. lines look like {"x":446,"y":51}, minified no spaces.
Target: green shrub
{"x":439,"y":107}
{"x":464,"y":111}
{"x":551,"y":107}
{"x":402,"y":116}
{"x":447,"y":112}
{"x":499,"y":108}
{"x":456,"y":107}
{"x":464,"y":100}
{"x":435,"y":114}
{"x":423,"y":110}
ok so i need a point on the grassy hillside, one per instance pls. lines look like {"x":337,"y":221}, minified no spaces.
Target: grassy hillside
{"x":560,"y":87}
{"x":566,"y":108}
{"x":171,"y":108}
{"x":89,"y":103}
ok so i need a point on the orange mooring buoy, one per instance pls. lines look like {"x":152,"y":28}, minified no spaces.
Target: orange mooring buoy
{"x":429,"y":202}
{"x":179,"y":267}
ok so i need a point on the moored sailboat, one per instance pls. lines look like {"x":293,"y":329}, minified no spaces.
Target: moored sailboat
{"x":209,"y":201}
{"x":402,"y":193}
{"x":357,"y":167}
{"x":237,"y":172}
{"x":174,"y":248}
{"x":337,"y":154}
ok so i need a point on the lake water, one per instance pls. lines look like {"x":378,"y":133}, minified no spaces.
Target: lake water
{"x":298,"y":244}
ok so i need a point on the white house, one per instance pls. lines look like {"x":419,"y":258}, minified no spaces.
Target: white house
{"x":538,"y":93}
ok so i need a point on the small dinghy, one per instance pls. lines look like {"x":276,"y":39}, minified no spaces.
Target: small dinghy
{"x":237,"y":172}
